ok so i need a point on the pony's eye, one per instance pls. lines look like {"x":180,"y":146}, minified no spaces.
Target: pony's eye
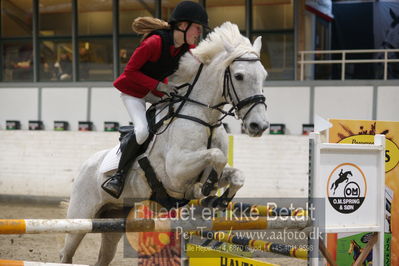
{"x":239,"y":76}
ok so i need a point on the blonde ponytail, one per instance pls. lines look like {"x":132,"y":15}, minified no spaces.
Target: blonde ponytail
{"x":145,"y":25}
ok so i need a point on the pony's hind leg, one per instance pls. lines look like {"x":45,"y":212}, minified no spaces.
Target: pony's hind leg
{"x":109,"y":243}
{"x":72,"y":242}
{"x":76,"y":210}
{"x":85,"y":202}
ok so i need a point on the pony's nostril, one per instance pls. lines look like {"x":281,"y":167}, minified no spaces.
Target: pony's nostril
{"x":254,"y":126}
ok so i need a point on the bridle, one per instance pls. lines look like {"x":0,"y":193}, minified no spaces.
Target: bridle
{"x":228,"y":81}
{"x":229,"y":93}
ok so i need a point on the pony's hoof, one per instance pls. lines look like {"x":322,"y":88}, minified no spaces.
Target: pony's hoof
{"x":197,"y":191}
{"x":216,"y":202}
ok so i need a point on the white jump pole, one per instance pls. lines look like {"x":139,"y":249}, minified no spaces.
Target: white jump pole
{"x":37,"y":226}
{"x":33,"y":263}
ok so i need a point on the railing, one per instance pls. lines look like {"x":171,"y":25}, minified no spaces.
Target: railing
{"x":343,"y":61}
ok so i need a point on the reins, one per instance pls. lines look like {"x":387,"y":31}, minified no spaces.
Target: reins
{"x":171,"y":101}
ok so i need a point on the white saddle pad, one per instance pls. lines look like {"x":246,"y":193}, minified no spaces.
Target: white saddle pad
{"x":111,"y":160}
{"x":113,"y":156}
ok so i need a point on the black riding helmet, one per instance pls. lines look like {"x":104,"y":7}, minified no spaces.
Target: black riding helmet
{"x":192,"y":13}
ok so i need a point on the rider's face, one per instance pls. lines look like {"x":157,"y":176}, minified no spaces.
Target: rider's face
{"x":193,"y":34}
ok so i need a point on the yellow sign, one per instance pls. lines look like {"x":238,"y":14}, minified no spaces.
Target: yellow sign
{"x":391,"y":150}
{"x":200,"y":256}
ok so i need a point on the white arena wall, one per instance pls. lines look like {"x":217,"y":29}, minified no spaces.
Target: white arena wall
{"x":290,"y":103}
{"x":43,"y":164}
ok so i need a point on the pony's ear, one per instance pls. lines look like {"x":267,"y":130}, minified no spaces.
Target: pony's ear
{"x":258,"y":44}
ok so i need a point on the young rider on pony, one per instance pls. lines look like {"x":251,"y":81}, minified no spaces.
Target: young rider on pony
{"x":145,"y":76}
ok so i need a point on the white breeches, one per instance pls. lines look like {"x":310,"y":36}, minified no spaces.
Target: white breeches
{"x":136,"y":109}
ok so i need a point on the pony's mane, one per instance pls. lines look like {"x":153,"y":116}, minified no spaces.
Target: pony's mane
{"x":225,"y":39}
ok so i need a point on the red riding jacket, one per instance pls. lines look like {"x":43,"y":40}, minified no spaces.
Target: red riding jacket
{"x":133,"y":81}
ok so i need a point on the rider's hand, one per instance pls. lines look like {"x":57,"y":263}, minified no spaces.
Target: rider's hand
{"x":166,"y":89}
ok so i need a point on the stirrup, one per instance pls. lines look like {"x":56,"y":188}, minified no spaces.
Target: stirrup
{"x":112,"y":188}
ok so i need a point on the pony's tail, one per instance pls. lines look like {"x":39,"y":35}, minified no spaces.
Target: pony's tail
{"x":145,"y":25}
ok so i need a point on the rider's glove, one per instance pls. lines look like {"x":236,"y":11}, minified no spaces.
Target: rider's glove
{"x":166,"y":89}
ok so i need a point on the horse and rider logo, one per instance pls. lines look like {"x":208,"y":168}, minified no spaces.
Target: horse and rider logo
{"x":342,"y":177}
{"x":346,"y":188}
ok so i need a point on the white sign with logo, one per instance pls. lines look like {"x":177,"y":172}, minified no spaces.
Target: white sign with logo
{"x":351,"y":180}
{"x":346,"y":188}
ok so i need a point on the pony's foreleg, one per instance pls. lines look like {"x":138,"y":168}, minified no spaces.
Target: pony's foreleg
{"x":183,"y":166}
{"x":233,"y":179}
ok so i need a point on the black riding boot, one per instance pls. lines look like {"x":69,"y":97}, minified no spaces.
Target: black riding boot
{"x":114,"y":184}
